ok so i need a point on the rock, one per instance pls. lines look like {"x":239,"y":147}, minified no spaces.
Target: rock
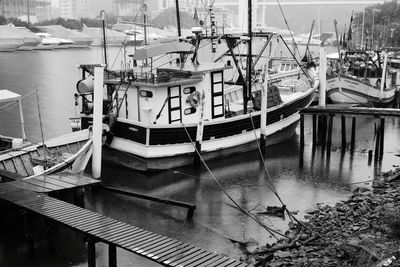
{"x":282,"y":254}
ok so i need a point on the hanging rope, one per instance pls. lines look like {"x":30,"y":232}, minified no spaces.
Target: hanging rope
{"x":290,"y":31}
{"x":272,"y":232}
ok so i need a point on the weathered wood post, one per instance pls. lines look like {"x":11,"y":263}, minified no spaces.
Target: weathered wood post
{"x":314,"y":130}
{"x":330,"y":126}
{"x":263,"y":122}
{"x":322,"y":76}
{"x":382,"y":136}
{"x":353,"y":133}
{"x":301,"y":140}
{"x":97,"y":121}
{"x":377,"y":143}
{"x":91,"y":252}
{"x":199,"y":133}
{"x":301,"y":131}
{"x":343,"y":134}
{"x":112,"y":255}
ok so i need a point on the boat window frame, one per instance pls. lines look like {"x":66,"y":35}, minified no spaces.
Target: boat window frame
{"x":170,"y":108}
{"x":217,"y":94}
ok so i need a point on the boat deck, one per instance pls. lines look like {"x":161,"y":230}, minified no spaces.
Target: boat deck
{"x":98,"y":228}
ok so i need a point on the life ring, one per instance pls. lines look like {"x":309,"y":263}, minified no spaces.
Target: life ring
{"x":108,"y":123}
{"x":194,"y":99}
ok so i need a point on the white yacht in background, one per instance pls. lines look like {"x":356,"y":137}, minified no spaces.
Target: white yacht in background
{"x":48,"y":42}
{"x":9,"y":39}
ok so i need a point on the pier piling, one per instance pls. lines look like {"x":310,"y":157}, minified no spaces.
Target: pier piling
{"x":91,"y":252}
{"x":353,"y":133}
{"x":382,"y":137}
{"x":302,"y":131}
{"x":330,"y":126}
{"x":343,"y":118}
{"x":112,"y":255}
{"x":377,"y":143}
{"x":314,"y":132}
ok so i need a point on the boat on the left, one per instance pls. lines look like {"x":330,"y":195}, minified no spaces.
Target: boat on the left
{"x":6,"y":142}
{"x":20,"y":159}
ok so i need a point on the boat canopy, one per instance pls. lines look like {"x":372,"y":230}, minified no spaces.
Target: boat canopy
{"x":6,"y":95}
{"x":161,"y":49}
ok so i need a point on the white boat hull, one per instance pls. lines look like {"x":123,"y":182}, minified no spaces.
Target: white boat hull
{"x":348,"y":90}
{"x":219,"y":139}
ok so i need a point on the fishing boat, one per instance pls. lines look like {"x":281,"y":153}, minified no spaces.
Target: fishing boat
{"x":162,"y":117}
{"x":360,"y":78}
{"x":70,"y":152}
{"x":7,"y":143}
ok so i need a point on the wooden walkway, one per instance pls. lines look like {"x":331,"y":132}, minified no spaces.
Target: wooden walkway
{"x":346,"y":110}
{"x":98,"y":228}
{"x":54,"y":182}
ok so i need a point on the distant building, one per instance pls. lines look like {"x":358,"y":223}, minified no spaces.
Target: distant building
{"x":25,"y":9}
{"x":127,"y":8}
{"x":74,"y":9}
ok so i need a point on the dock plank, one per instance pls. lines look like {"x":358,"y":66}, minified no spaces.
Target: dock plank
{"x":161,"y":249}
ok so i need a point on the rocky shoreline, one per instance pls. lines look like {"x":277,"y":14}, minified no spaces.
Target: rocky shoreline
{"x":361,"y":231}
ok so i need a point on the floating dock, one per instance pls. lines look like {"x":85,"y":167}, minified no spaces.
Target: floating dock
{"x":98,"y":228}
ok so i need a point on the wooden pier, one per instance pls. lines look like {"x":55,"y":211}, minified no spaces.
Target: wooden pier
{"x":322,"y":120}
{"x":98,"y":228}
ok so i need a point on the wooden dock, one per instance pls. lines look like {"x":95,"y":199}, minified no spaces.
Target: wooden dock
{"x":351,"y":111}
{"x":54,"y":182}
{"x":98,"y":228}
{"x":322,"y":123}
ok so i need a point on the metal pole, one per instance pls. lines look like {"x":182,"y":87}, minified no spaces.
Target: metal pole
{"x":249,"y":55}
{"x":178,"y":18}
{"x":362,"y":28}
{"x":103,"y":18}
{"x":372,"y":30}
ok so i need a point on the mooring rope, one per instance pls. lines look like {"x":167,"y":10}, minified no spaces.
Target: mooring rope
{"x":272,"y":232}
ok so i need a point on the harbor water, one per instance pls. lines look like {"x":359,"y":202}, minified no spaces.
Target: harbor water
{"x":323,"y":176}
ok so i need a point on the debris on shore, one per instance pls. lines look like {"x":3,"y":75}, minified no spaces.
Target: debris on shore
{"x":361,"y":231}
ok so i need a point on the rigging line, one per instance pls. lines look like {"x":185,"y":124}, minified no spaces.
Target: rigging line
{"x":12,"y":103}
{"x":126,"y":36}
{"x":271,"y":231}
{"x":291,"y":216}
{"x":290,"y":31}
{"x":298,"y":63}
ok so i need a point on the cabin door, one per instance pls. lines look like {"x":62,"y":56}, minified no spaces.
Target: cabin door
{"x":174,"y":104}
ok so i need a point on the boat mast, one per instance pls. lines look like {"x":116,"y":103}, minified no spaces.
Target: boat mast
{"x":103,"y":23}
{"x":178,"y":18}
{"x":145,"y":24}
{"x":247,"y":95}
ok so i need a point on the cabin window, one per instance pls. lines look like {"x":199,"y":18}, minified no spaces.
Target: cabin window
{"x":174,"y":104}
{"x":189,"y":111}
{"x":217,"y":94}
{"x":189,"y":90}
{"x":144,"y":93}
